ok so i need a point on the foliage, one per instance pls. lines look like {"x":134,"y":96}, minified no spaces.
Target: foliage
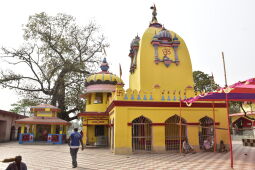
{"x":23,"y":106}
{"x":234,"y":107}
{"x":55,"y":58}
{"x":204,"y":82}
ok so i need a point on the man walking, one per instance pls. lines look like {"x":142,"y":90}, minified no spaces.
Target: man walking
{"x":74,"y":142}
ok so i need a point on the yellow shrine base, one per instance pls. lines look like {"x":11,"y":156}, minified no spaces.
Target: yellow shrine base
{"x":139,"y":125}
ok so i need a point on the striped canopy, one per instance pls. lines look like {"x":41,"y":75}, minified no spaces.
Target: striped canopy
{"x":240,"y":91}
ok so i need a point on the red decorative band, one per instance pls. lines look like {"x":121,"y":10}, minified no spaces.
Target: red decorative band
{"x":162,"y":104}
{"x":163,"y":124}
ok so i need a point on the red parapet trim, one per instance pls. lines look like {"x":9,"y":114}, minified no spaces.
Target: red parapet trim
{"x":92,"y":114}
{"x":163,"y":124}
{"x":158,"y":124}
{"x":95,"y":124}
{"x":193,"y":123}
{"x":98,"y":119}
{"x":161,"y":104}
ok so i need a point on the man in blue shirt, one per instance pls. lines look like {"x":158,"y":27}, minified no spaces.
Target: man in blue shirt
{"x":74,"y":142}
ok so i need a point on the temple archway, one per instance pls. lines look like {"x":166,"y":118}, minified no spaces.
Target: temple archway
{"x":141,"y":134}
{"x":172,"y":132}
{"x":206,"y":130}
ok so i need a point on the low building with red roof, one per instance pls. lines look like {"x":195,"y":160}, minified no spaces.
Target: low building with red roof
{"x":8,"y":129}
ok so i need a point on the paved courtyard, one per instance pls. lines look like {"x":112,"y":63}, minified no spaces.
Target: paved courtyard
{"x":57,"y":157}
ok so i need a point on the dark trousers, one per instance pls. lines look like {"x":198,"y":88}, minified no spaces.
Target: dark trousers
{"x":73,"y":152}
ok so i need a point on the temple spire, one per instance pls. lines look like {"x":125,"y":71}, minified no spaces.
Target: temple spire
{"x":104,"y":66}
{"x":154,"y":21}
{"x":154,"y":14}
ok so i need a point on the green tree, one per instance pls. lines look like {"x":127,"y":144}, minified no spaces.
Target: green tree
{"x":204,"y":82}
{"x":23,"y":106}
{"x":235,"y":107}
{"x":56,"y":56}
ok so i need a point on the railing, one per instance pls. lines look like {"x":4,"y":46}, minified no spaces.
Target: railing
{"x":26,"y":138}
{"x":153,"y":95}
{"x":56,"y":138}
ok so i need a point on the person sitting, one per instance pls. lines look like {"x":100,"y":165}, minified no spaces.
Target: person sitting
{"x":17,"y":164}
{"x":207,"y":146}
{"x":222,"y":147}
{"x":186,"y":147}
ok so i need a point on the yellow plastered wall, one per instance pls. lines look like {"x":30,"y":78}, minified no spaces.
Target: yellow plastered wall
{"x":147,"y":73}
{"x":84,"y":130}
{"x":91,"y":134}
{"x":46,"y":113}
{"x":97,"y":107}
{"x":125,"y":115}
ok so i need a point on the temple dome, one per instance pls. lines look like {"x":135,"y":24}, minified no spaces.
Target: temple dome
{"x":103,"y":78}
{"x":103,"y":81}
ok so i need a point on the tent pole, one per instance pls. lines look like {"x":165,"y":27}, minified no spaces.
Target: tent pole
{"x":229,"y":135}
{"x":214,"y":130}
{"x":180,"y":128}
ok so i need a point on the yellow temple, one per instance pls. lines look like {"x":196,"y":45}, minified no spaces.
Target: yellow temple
{"x":147,"y":116}
{"x":44,"y":126}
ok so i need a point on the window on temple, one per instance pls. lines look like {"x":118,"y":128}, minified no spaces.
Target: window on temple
{"x":98,"y":98}
{"x":99,"y":130}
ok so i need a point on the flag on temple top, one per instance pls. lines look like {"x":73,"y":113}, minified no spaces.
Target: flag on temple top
{"x":120,"y":70}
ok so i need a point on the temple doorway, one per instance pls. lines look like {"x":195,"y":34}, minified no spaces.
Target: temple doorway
{"x":101,"y":135}
{"x":206,"y":131}
{"x":172,"y":133}
{"x":42,"y":132}
{"x":141,"y":134}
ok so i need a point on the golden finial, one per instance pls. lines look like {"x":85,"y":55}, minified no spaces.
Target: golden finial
{"x":154,"y":14}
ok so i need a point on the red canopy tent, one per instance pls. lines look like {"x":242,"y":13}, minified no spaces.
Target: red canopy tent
{"x":241,"y":91}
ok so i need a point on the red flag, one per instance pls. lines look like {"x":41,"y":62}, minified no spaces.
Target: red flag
{"x":120,"y":70}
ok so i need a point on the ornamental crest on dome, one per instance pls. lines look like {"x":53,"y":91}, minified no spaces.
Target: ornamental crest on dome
{"x":169,"y":46}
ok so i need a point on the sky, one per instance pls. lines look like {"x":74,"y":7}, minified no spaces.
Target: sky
{"x":208,"y":27}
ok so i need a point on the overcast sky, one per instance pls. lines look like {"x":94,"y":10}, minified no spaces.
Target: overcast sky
{"x":207,"y":26}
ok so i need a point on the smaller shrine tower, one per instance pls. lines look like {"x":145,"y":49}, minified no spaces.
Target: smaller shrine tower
{"x":98,"y":94}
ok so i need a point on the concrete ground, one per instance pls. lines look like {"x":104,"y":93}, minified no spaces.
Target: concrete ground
{"x":57,"y":157}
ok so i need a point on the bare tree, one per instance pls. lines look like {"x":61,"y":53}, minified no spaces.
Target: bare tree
{"x":57,"y":55}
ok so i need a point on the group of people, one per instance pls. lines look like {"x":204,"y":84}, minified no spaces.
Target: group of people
{"x":207,"y":146}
